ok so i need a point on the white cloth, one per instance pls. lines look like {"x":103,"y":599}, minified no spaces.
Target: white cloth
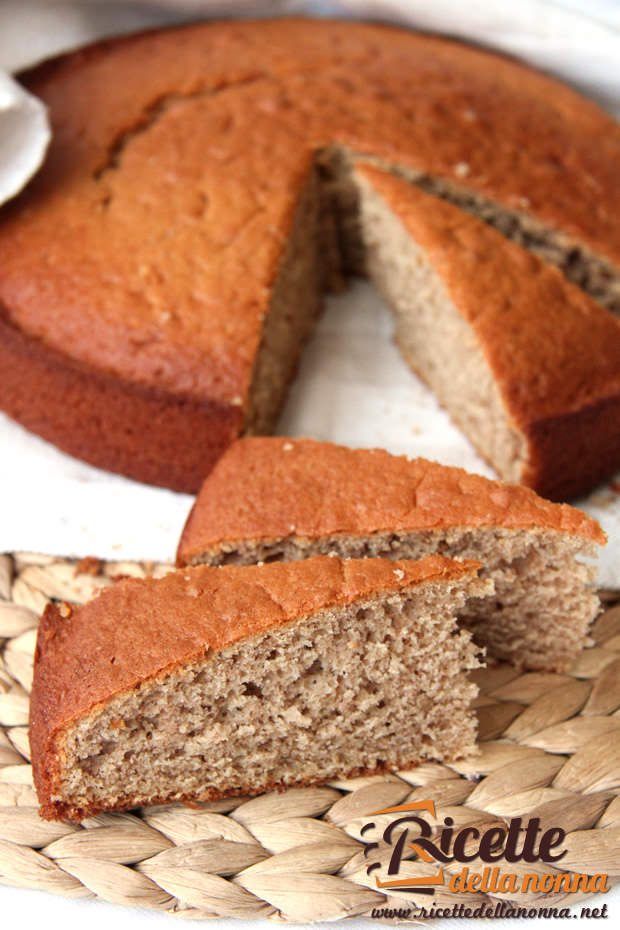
{"x":24,"y":136}
{"x":353,"y":387}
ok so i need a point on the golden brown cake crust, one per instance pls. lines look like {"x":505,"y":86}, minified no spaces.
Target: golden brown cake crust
{"x":139,"y":629}
{"x":169,"y":190}
{"x":145,"y":433}
{"x":553,"y":351}
{"x":264,"y":489}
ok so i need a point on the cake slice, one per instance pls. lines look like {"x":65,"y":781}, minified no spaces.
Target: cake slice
{"x":214,"y":682}
{"x":271,"y":498}
{"x":498,"y":335}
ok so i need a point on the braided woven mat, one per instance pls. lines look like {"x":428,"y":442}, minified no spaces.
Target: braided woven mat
{"x":549,"y":745}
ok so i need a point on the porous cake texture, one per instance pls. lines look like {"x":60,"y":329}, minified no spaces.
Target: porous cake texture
{"x":498,"y":335}
{"x":160,"y":275}
{"x":221,"y":681}
{"x":271,"y":499}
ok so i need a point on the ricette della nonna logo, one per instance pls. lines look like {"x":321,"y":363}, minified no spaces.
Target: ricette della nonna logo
{"x":409,"y":851}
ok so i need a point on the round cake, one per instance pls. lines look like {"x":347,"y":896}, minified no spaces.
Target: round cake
{"x":160,"y":275}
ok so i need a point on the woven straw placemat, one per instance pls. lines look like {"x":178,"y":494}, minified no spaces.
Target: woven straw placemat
{"x":549,"y":745}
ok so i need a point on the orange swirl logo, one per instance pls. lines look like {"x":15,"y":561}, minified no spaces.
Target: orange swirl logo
{"x":515,"y":841}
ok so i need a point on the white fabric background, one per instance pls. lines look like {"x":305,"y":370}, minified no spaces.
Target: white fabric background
{"x":352,"y":388}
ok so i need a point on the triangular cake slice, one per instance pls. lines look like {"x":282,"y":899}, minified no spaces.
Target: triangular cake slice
{"x":527,"y":365}
{"x":212,"y":682}
{"x":273,"y":498}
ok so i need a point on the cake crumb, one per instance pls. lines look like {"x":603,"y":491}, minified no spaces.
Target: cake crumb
{"x":192,"y":805}
{"x":287,"y":447}
{"x":65,"y":610}
{"x":462,"y":169}
{"x":89,"y":565}
{"x":399,"y":573}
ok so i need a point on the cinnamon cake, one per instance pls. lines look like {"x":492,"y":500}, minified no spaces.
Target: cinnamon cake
{"x":273,"y":499}
{"x":213,"y":682}
{"x":160,"y":275}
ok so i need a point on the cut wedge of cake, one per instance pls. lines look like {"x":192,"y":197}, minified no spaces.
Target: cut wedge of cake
{"x":212,"y":682}
{"x":498,"y":335}
{"x":269,"y":499}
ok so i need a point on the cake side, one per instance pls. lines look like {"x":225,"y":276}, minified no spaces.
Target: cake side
{"x":289,"y":499}
{"x":500,"y":288}
{"x":575,"y":451}
{"x":263,"y":489}
{"x":140,"y":634}
{"x":469,"y":316}
{"x":144,"y":433}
